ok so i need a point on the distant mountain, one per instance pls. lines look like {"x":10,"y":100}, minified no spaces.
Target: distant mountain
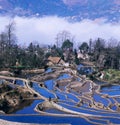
{"x":72,"y":9}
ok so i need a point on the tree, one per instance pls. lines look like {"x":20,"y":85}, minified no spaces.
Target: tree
{"x":56,"y":51}
{"x":31,"y":48}
{"x":67,"y":44}
{"x":99,"y":47}
{"x":84,"y":47}
{"x":90,"y":46}
{"x":3,"y":39}
{"x":11,"y":41}
{"x":7,"y":45}
{"x":76,"y":57}
{"x":10,"y":28}
{"x":63,"y":36}
{"x":34,"y":55}
{"x":67,"y":48}
{"x":113,"y":56}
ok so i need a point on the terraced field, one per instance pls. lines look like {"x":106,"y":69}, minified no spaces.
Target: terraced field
{"x":64,"y":96}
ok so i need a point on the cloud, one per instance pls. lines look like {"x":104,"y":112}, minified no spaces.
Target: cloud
{"x":20,"y":11}
{"x":5,"y":4}
{"x":117,"y":2}
{"x":0,"y":7}
{"x":45,"y":29}
{"x":88,"y":2}
{"x":74,"y":2}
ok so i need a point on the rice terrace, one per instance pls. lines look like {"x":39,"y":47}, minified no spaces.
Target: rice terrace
{"x":59,"y":62}
{"x":62,"y":93}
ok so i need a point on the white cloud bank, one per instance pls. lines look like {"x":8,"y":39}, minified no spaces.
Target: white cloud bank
{"x":45,"y":29}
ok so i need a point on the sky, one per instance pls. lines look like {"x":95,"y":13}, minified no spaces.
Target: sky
{"x":44,"y":29}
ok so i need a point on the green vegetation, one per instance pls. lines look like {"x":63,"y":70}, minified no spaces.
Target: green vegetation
{"x":104,"y":54}
{"x":84,"y":47}
{"x":67,"y":44}
{"x":112,"y":75}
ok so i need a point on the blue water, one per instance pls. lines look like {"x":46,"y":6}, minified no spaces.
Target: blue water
{"x":49,"y":70}
{"x":98,"y":98}
{"x":113,"y":120}
{"x":111,"y":87}
{"x":42,"y":91}
{"x":118,"y":99}
{"x":60,"y":95}
{"x":80,"y":66}
{"x":84,"y":110}
{"x":19,"y":82}
{"x":73,"y":97}
{"x":100,"y":121}
{"x":84,"y":70}
{"x":29,"y":109}
{"x":79,"y":79}
{"x":111,"y":99}
{"x":70,"y":103}
{"x":74,"y":108}
{"x":76,"y":93}
{"x":49,"y":84}
{"x":114,"y":107}
{"x":64,"y":76}
{"x":112,"y":92}
{"x":85,"y":105}
{"x":47,"y":120}
{"x":55,"y":111}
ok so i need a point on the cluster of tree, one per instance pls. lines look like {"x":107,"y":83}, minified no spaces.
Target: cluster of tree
{"x":64,"y":47}
{"x":102,"y":53}
{"x":10,"y":52}
{"x":7,"y":45}
{"x":106,"y":53}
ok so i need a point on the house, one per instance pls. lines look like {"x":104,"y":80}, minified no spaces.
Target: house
{"x":82,"y":56}
{"x":55,"y":61}
{"x":66,"y":64}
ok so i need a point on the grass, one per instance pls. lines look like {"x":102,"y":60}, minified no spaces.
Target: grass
{"x":112,"y":75}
